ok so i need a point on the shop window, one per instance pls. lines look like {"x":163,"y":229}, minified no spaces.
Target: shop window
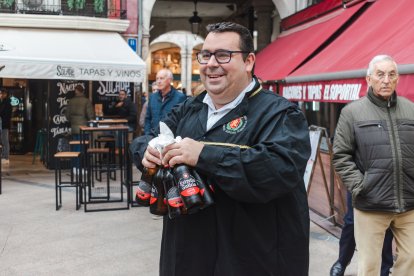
{"x":322,"y":114}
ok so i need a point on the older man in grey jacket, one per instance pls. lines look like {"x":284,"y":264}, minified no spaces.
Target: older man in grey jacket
{"x":374,"y":155}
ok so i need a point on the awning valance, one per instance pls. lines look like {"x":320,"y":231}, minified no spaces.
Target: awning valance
{"x":67,"y":54}
{"x":384,"y":28}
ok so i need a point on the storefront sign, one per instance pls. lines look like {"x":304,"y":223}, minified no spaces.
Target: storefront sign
{"x":95,"y":73}
{"x":106,"y":92}
{"x":341,"y":91}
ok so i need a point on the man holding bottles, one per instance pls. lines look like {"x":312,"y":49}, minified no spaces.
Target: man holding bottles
{"x":252,"y":147}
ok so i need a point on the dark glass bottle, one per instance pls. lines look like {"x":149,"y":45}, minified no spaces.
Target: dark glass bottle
{"x":157,"y":199}
{"x":188,"y":188}
{"x":205,"y":190}
{"x":143,"y":193}
{"x":174,"y":201}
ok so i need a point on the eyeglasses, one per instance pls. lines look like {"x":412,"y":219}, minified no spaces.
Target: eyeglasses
{"x":381,"y":76}
{"x":221,"y":56}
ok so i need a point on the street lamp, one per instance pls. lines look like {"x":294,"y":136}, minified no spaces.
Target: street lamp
{"x":195,"y":20}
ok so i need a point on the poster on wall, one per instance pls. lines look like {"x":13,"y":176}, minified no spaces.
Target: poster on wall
{"x":61,"y":91}
{"x":106,"y":93}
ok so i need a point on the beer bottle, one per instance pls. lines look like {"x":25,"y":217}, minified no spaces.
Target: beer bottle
{"x":157,"y":200}
{"x":188,"y":188}
{"x":143,"y":193}
{"x":205,"y":190}
{"x":174,"y":201}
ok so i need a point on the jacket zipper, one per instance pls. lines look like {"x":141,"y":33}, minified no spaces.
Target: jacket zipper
{"x":397,"y":162}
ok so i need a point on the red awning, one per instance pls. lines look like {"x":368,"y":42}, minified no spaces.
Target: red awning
{"x":292,"y":47}
{"x":384,"y":28}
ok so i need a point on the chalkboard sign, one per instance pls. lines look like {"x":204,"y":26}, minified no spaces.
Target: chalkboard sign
{"x":315,"y":139}
{"x":106,"y":92}
{"x":61,"y":91}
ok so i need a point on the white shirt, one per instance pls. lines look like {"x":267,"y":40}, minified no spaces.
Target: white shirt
{"x":216,"y":114}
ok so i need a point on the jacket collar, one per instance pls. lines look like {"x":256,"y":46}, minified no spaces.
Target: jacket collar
{"x":168,"y":95}
{"x":380,"y":102}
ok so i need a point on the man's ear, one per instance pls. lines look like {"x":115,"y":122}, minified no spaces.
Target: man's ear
{"x":250,"y":61}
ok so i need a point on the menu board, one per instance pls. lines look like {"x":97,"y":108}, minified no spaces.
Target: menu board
{"x":315,"y":139}
{"x":61,"y":91}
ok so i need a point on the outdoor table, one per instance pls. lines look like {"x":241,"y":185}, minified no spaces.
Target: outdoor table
{"x":88,"y":133}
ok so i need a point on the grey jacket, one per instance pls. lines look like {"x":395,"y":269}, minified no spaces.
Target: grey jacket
{"x":78,"y":112}
{"x":374,"y":153}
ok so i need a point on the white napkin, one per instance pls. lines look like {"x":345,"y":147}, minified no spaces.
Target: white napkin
{"x":165,"y":138}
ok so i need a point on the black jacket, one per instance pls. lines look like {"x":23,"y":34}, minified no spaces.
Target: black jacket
{"x":5,"y":113}
{"x":128,"y":111}
{"x":260,"y":222}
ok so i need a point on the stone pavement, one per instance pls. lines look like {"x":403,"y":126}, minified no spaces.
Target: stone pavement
{"x":37,"y":240}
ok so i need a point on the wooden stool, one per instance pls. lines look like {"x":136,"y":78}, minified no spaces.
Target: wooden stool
{"x":61,"y":157}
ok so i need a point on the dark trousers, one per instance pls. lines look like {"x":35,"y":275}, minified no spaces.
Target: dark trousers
{"x":347,"y":241}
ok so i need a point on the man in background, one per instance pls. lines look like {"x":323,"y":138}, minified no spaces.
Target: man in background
{"x":125,"y":108}
{"x":78,"y":112}
{"x":162,"y":101}
{"x":5,"y":114}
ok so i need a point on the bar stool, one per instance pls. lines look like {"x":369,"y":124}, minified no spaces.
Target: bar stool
{"x":107,"y":142}
{"x":61,"y":157}
{"x":94,"y":164}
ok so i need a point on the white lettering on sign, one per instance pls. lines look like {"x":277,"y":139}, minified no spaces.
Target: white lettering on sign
{"x":96,"y":72}
{"x":323,"y":92}
{"x":59,"y":130}
{"x":111,"y":88}
{"x":342,"y":92}
{"x":292,"y":92}
{"x":59,"y":119}
{"x":314,"y":92}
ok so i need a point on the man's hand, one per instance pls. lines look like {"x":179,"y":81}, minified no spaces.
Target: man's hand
{"x":152,"y":158}
{"x":187,"y":151}
{"x":119,"y":104}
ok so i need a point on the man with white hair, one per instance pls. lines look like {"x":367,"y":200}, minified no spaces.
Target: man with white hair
{"x":162,"y":101}
{"x":374,"y":155}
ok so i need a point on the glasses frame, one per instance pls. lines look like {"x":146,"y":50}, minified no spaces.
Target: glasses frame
{"x":214,"y":54}
{"x":381,"y":76}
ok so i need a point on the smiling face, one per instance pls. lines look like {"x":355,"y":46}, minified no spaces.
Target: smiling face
{"x":224,"y":82}
{"x":383,"y":79}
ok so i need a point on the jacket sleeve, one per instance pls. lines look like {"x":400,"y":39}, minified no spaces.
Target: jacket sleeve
{"x":271,"y":168}
{"x":344,"y":150}
{"x":132,"y":112}
{"x":142,"y":115}
{"x":138,"y":148}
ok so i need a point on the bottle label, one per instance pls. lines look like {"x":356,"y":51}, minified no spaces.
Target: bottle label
{"x":188,"y":185}
{"x":174,"y":199}
{"x":143,"y":190}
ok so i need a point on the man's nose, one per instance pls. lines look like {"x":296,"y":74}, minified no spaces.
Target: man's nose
{"x":212,"y":61}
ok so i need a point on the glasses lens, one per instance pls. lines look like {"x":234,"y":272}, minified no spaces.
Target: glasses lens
{"x":203,"y":57}
{"x":223,"y":56}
